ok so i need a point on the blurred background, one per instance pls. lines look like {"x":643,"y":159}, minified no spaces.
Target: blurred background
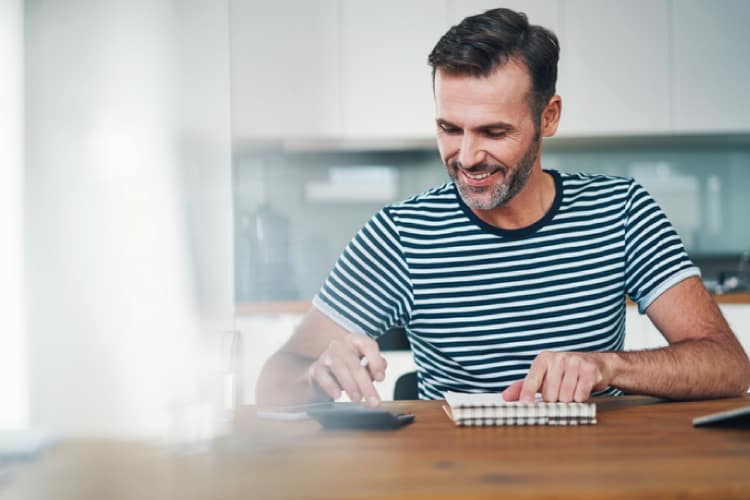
{"x":179,"y":176}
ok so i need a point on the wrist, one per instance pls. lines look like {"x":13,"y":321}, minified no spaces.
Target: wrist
{"x":613,"y":368}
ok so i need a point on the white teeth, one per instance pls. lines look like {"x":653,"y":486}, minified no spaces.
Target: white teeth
{"x":478,"y":177}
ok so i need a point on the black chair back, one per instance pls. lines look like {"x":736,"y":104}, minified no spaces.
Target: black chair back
{"x":406,"y":387}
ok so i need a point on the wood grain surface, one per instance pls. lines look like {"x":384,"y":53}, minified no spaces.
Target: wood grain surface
{"x":641,"y":448}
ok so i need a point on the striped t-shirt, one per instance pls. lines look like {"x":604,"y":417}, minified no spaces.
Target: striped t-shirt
{"x":479,"y":303}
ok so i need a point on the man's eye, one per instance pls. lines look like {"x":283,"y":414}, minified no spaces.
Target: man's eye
{"x":450,"y":130}
{"x":495,"y":134}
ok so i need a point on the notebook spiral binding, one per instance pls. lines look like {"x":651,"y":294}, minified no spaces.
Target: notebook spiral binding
{"x":537,"y":413}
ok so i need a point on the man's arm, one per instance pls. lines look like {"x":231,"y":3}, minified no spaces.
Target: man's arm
{"x":704,"y":358}
{"x":319,"y":361}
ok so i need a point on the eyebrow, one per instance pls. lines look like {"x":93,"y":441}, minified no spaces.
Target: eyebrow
{"x":489,"y":126}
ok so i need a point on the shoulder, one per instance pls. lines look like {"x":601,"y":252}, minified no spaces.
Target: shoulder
{"x":443,"y":194}
{"x":584,"y":181}
{"x":432,"y":202}
{"x":599,"y":189}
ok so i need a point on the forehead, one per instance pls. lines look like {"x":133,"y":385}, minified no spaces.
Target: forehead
{"x":472,"y":101}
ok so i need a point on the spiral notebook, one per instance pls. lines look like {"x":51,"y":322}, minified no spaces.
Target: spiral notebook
{"x":491,"y":409}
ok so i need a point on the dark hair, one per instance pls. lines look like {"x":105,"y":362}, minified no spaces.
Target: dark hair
{"x":479,"y":44}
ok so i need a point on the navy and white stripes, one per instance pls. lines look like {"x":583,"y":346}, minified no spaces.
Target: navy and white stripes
{"x":479,"y":303}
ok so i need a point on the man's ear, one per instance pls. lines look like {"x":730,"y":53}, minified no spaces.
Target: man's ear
{"x":551,"y":116}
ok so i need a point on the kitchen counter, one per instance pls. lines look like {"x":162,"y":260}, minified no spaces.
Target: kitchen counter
{"x":302,"y":306}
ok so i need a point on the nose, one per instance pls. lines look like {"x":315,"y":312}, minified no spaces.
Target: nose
{"x":471,"y":152}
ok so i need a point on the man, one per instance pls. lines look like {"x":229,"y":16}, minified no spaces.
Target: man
{"x":510,"y":277}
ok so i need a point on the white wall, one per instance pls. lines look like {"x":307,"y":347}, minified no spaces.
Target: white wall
{"x":13,"y":362}
{"x":127,"y":201}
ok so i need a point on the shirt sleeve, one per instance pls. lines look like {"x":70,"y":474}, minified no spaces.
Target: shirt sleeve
{"x":655,"y":257}
{"x":369,"y":290}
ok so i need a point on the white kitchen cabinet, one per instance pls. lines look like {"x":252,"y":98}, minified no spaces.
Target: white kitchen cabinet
{"x":642,"y":334}
{"x":386,"y":83}
{"x":614,"y":67}
{"x":738,"y":317}
{"x":285,"y":69}
{"x":711,"y":70}
{"x":358,"y":70}
{"x":542,"y":12}
{"x":645,"y":67}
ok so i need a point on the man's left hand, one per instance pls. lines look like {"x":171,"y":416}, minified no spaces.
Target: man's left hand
{"x":561,"y":376}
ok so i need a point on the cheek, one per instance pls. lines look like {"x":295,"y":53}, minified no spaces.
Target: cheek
{"x":447,"y":146}
{"x":507,"y":152}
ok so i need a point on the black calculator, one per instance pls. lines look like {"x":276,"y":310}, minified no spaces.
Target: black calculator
{"x":358,"y":417}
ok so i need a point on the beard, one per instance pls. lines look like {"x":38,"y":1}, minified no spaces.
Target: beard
{"x":489,"y":197}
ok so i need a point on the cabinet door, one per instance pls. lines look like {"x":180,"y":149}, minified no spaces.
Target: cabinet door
{"x":738,"y":317}
{"x":284,"y":69}
{"x":711,"y":70}
{"x":386,"y":81}
{"x":541,"y":12}
{"x":640,"y":332}
{"x":614,"y":69}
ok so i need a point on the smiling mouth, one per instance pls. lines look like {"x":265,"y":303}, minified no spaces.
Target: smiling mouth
{"x":482,"y":178}
{"x":478,"y":177}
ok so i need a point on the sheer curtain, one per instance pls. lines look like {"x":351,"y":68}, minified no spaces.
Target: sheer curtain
{"x":13,"y":362}
{"x":128,"y":209}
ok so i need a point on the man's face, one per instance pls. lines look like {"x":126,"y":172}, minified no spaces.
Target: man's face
{"x":486,"y":134}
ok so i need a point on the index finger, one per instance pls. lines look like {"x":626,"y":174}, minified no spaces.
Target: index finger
{"x":513,"y":391}
{"x":533,"y":381}
{"x":370,"y":354}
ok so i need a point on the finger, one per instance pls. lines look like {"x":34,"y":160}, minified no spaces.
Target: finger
{"x":362,"y":378}
{"x":583,"y":391}
{"x":320,"y":376}
{"x":589,"y":376}
{"x":513,"y":391}
{"x":338,"y":362}
{"x":568,"y":386}
{"x":374,"y":375}
{"x":553,"y":377}
{"x":369,"y":350}
{"x":534,"y":378}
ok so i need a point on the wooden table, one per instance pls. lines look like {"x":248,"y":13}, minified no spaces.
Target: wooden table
{"x":640,"y":448}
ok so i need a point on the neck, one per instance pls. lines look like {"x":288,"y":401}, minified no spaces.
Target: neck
{"x":527,"y":207}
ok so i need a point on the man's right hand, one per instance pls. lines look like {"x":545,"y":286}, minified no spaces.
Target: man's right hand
{"x":319,"y":360}
{"x":350,"y":363}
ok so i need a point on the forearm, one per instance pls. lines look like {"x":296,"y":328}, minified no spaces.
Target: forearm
{"x":692,"y":369}
{"x":284,"y":380}
{"x":318,"y":362}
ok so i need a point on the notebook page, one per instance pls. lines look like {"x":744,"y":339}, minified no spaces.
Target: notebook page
{"x":455,"y":399}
